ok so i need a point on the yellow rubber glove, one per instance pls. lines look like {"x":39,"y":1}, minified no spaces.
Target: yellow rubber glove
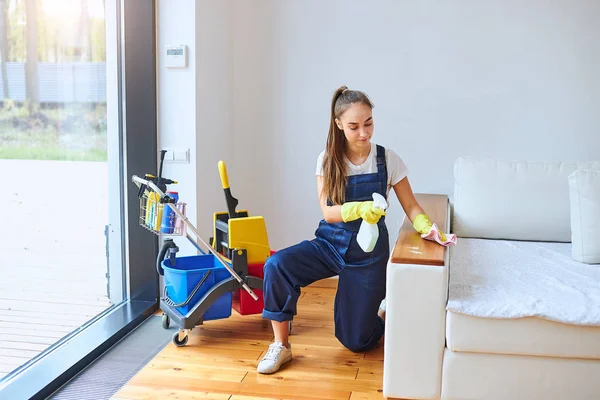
{"x":354,"y":210}
{"x":423,"y":225}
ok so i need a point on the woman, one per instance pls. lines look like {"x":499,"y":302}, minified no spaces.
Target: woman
{"x":349,"y":171}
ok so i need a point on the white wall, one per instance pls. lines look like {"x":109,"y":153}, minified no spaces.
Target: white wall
{"x":194,"y":103}
{"x":176,"y":94}
{"x":214,"y":105}
{"x":505,"y":79}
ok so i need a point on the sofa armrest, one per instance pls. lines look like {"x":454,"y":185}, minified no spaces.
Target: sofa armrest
{"x":410,"y":248}
{"x":417,"y":292}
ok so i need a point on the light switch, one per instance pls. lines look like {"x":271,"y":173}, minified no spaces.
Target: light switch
{"x":168,"y":155}
{"x":180,"y":156}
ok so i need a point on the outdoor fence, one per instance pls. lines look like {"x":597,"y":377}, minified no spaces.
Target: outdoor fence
{"x":72,"y":82}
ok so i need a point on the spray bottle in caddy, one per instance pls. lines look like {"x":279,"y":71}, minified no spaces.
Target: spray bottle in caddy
{"x":369,"y":233}
{"x":168,"y":218}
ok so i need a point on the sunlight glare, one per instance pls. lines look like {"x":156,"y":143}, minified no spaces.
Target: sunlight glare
{"x":68,"y":11}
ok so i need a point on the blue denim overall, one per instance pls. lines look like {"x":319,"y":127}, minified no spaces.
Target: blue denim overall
{"x":334,"y":251}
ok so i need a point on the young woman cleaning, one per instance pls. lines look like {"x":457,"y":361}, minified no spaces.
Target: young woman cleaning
{"x":349,"y":171}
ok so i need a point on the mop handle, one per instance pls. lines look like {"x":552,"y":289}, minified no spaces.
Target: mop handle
{"x":231,"y":201}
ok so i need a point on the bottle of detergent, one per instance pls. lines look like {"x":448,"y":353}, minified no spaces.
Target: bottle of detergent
{"x":369,"y":233}
{"x":152,"y":204}
{"x":167,"y":224}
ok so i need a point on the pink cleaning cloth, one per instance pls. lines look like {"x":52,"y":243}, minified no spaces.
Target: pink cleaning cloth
{"x":434,"y":235}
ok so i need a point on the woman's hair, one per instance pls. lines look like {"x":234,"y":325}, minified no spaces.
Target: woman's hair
{"x":334,"y":166}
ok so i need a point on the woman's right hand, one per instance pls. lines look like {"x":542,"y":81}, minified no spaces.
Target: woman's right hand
{"x":354,"y":210}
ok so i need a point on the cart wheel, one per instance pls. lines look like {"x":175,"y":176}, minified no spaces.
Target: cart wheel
{"x":180,"y":343}
{"x":166,"y":321}
{"x":290,"y":327}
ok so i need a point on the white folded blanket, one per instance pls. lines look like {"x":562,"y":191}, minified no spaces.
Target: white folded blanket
{"x":516,"y":279}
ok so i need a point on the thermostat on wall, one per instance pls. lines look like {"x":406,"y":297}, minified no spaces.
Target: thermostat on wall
{"x":176,"y":56}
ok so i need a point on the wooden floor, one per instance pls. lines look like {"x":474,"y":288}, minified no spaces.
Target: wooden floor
{"x":220,"y":360}
{"x":53,"y":268}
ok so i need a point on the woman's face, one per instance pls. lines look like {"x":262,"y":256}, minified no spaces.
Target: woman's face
{"x":357,"y":125}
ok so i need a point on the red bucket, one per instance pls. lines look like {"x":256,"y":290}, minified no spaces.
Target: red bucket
{"x":242,"y":302}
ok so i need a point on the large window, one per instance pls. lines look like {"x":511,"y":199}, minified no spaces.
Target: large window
{"x":74,"y":274}
{"x":53,"y":144}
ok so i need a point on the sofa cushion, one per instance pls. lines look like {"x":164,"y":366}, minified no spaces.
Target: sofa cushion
{"x":584,"y":189}
{"x":477,"y":376}
{"x":517,"y":200}
{"x":525,"y":336}
{"x":517,"y":279}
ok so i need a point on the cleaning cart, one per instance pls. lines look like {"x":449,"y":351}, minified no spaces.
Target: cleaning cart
{"x":202,"y":287}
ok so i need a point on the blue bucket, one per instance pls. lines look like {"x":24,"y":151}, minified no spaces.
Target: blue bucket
{"x":182,"y":278}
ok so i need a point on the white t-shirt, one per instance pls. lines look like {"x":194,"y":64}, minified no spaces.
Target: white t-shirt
{"x":396,"y":168}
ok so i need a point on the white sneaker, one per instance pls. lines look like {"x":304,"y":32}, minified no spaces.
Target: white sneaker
{"x":381,"y":311}
{"x":276,"y":356}
{"x":382,"y":305}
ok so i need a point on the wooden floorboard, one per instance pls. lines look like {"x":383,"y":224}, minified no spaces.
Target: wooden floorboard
{"x":220,"y":360}
{"x":53,"y":270}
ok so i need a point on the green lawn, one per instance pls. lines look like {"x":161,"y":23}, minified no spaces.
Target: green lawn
{"x":50,"y":153}
{"x":70,"y":133}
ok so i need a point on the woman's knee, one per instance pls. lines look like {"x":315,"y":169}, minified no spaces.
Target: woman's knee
{"x":356,"y":345}
{"x":275,"y":265}
{"x":359,"y":339}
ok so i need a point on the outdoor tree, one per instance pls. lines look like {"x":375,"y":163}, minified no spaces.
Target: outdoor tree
{"x":31,"y":65}
{"x":50,"y":55}
{"x":4,"y":46}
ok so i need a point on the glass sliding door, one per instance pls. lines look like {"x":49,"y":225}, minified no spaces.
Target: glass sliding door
{"x":55,"y":157}
{"x":77,"y":120}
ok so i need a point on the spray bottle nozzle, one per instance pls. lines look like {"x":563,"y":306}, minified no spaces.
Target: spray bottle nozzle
{"x":379,"y":201}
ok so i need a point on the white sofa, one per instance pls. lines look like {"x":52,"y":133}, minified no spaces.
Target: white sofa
{"x":454,"y":332}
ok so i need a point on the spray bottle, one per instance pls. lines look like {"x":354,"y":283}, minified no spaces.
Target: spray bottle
{"x":369,"y":233}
